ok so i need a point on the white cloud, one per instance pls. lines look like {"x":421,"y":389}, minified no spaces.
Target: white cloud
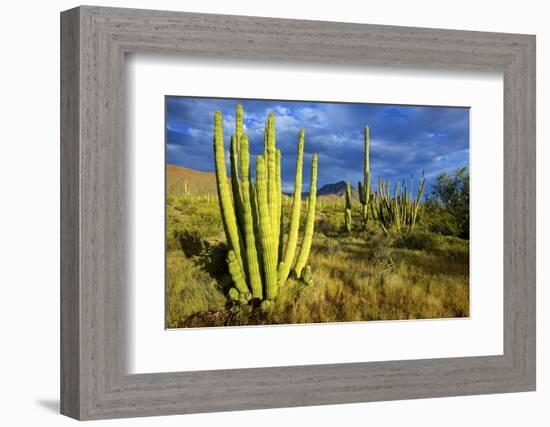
{"x":198,"y":133}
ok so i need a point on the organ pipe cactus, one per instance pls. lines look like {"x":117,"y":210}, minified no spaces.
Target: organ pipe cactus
{"x":347,"y":212}
{"x":252,"y":214}
{"x":398,"y":212}
{"x":364,"y":188}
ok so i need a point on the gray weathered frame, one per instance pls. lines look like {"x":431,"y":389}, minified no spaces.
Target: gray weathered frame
{"x":94,"y":41}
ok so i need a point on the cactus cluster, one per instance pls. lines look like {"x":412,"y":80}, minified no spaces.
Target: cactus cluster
{"x":252,"y":214}
{"x":364,"y":188}
{"x":347,"y":211}
{"x":398,"y":212}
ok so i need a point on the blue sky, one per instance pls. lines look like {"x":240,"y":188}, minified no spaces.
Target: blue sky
{"x":404,"y":139}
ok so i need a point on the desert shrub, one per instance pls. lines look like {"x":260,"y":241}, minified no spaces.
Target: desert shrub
{"x":190,"y":242}
{"x":418,"y":240}
{"x":448,"y":205}
{"x":440,"y":220}
{"x":379,"y":252}
{"x":213,"y":259}
{"x":330,"y":246}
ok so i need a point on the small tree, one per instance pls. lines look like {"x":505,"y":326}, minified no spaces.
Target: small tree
{"x":449,"y":203}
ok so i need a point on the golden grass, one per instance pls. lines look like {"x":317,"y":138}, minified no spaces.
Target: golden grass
{"x":360,"y":276}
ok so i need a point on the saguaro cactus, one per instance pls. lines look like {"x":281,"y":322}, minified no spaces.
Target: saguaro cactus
{"x":347,"y":211}
{"x":252,"y":217}
{"x":364,"y":188}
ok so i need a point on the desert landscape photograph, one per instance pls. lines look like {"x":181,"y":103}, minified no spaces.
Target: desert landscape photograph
{"x":296,"y":212}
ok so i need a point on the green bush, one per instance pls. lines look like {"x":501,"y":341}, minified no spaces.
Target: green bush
{"x":418,"y":240}
{"x":448,"y":205}
{"x":441,"y":221}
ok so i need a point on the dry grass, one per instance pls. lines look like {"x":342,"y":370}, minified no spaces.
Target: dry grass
{"x":357,"y":277}
{"x":197,"y":182}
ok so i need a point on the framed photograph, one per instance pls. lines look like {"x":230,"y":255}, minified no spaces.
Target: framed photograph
{"x":261,"y":213}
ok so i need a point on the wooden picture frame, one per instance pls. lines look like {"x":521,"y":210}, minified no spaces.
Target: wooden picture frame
{"x":94,"y":382}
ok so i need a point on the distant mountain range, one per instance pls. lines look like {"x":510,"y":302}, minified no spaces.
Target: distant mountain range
{"x":334,"y":190}
{"x":178,"y":177}
{"x":337,"y":189}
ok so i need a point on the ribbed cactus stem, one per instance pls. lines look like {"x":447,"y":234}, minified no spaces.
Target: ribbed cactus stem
{"x":266,"y":154}
{"x":226,"y":206}
{"x":347,"y":212}
{"x":310,"y":221}
{"x":254,"y":275}
{"x":366,"y":184}
{"x":272,"y":174}
{"x":290,"y":249}
{"x":239,"y":126}
{"x":266,"y":232}
{"x":237,"y":273}
{"x":235,"y":184}
{"x":277,"y":224}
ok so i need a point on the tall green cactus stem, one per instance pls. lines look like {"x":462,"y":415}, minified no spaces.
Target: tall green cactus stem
{"x":234,"y":150}
{"x":226,"y":206}
{"x":347,"y":213}
{"x":364,"y":190}
{"x":254,"y":274}
{"x":310,"y":221}
{"x":277,"y":224}
{"x":266,"y":232}
{"x":239,"y":116}
{"x":416,"y":205}
{"x":235,"y":183}
{"x":272,"y":174}
{"x":290,"y":249}
{"x":256,"y":217}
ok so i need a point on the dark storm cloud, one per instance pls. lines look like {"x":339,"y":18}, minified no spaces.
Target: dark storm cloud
{"x":404,"y":139}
